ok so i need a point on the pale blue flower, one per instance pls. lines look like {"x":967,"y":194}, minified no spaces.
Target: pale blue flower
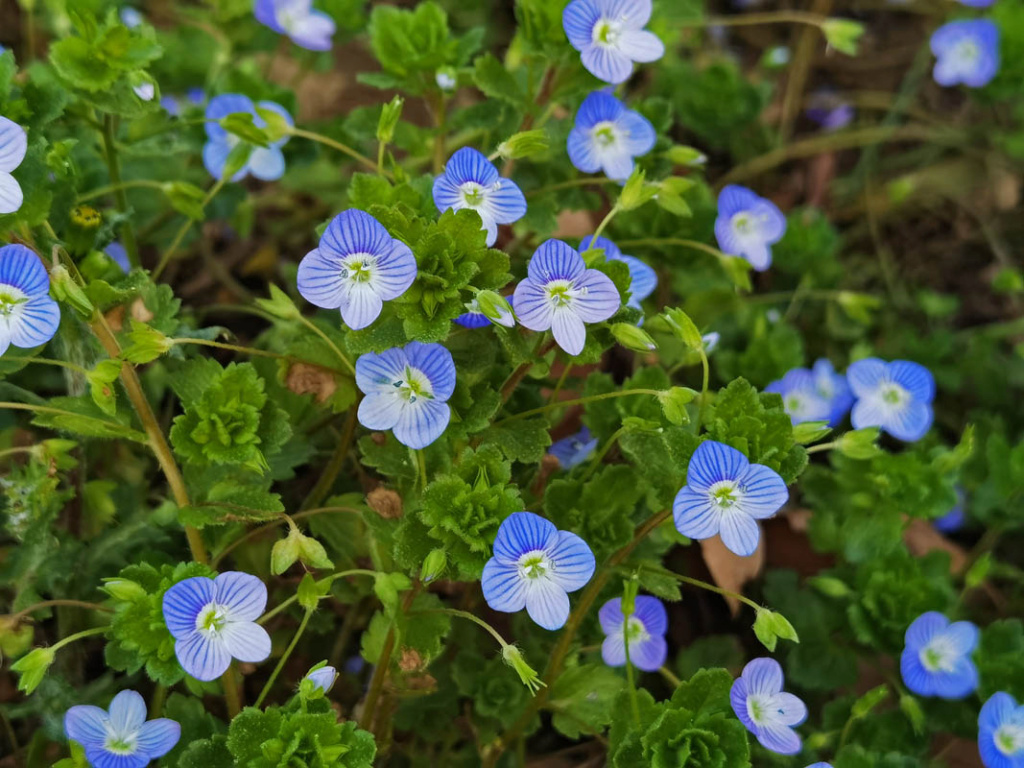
{"x":28,"y":316}
{"x":535,"y":566}
{"x":765,"y":709}
{"x":829,"y":111}
{"x":573,"y":450}
{"x":748,"y":225}
{"x":966,"y":52}
{"x":131,"y":17}
{"x":800,"y":396}
{"x":820,"y":765}
{"x":13,"y":143}
{"x":265,"y":163}
{"x":307,"y":28}
{"x":833,"y":387}
{"x":642,"y":278}
{"x":936,"y":659}
{"x":711,"y":341}
{"x":607,"y":136}
{"x":977,"y":3}
{"x":120,"y":738}
{"x":407,"y":391}
{"x":953,"y":520}
{"x":446,"y":79}
{"x":323,"y":678}
{"x":196,"y":95}
{"x":896,"y":397}
{"x":610,"y":36}
{"x":119,"y":256}
{"x":145,"y":91}
{"x":725,"y":494}
{"x":471,"y":181}
{"x":474,"y":317}
{"x":1001,"y":732}
{"x":214,"y":620}
{"x":356,"y":268}
{"x":561,"y":294}
{"x":171,"y":105}
{"x":645,"y":630}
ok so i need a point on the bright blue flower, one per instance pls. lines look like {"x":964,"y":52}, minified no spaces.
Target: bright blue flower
{"x":471,"y":181}
{"x":607,"y":136}
{"x":574,"y":449}
{"x":120,"y":738}
{"x":953,"y":520}
{"x":966,"y":52}
{"x":800,"y":396}
{"x":642,"y":278}
{"x":535,"y":566}
{"x":936,"y":659}
{"x":131,"y":17}
{"x":323,"y":678}
{"x":896,"y":397}
{"x":560,"y":293}
{"x":645,"y":628}
{"x":196,"y":95}
{"x":307,"y":28}
{"x":1001,"y":732}
{"x":119,"y":256}
{"x":829,"y":111}
{"x":610,"y":36}
{"x":761,"y":705}
{"x":214,"y":620}
{"x":28,"y":316}
{"x":977,"y":3}
{"x":820,"y":765}
{"x":356,"y":268}
{"x":265,"y":163}
{"x":748,"y":225}
{"x":726,"y":494}
{"x":407,"y":391}
{"x":833,"y":387}
{"x":13,"y":143}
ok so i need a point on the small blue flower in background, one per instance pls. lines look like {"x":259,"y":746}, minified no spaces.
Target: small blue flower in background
{"x":28,"y":316}
{"x":800,"y":396}
{"x":748,"y":225}
{"x":833,"y":387}
{"x":953,"y":520}
{"x":171,"y":105}
{"x":966,"y":52}
{"x":535,"y":566}
{"x":131,"y":17}
{"x":446,"y":79}
{"x":471,"y":181}
{"x":896,"y":397}
{"x":196,"y":95}
{"x":725,"y":494}
{"x":761,"y":705}
{"x":711,"y":341}
{"x":265,"y":163}
{"x":119,"y":256}
{"x":574,"y":449}
{"x":642,"y":278}
{"x":323,"y":678}
{"x":145,"y":91}
{"x":607,"y":136}
{"x":120,"y":738}
{"x":936,"y":660}
{"x":307,"y":28}
{"x":214,"y":620}
{"x":13,"y":143}
{"x":1001,"y":732}
{"x":474,"y":317}
{"x":977,"y":3}
{"x":829,"y":111}
{"x":356,"y":268}
{"x":820,"y":765}
{"x":407,"y":390}
{"x":645,"y":630}
{"x":610,"y":36}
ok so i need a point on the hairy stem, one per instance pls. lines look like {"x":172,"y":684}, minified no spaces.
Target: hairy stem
{"x":577,"y":401}
{"x":131,"y":247}
{"x":284,"y":657}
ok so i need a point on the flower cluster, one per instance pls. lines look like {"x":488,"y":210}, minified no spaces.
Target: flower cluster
{"x":896,"y":397}
{"x":264,"y":163}
{"x":818,"y":394}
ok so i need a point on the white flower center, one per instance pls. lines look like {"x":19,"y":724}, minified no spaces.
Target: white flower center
{"x":967,"y":52}
{"x":605,"y":134}
{"x":11,"y":300}
{"x":212,"y":619}
{"x":725,"y":494}
{"x":125,"y":743}
{"x":413,"y":385}
{"x":607,"y":32}
{"x":473,"y":195}
{"x":746,"y":225}
{"x":893,"y":394}
{"x":534,"y":565}
{"x":1009,"y":739}
{"x":939,"y":655}
{"x":635,"y":631}
{"x":562,"y":293}
{"x":359,"y":267}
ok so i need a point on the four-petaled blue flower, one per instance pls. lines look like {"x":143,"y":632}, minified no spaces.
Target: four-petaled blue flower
{"x":966,"y":52}
{"x":726,"y":494}
{"x":535,"y":566}
{"x":645,"y":630}
{"x":642,"y":278}
{"x":1001,"y":732}
{"x":560,"y":293}
{"x":829,"y":111}
{"x":574,"y":449}
{"x":120,"y":738}
{"x":265,"y":163}
{"x":936,"y":660}
{"x":323,"y":678}
{"x":13,"y":143}
{"x":800,"y":396}
{"x":834,"y":388}
{"x":307,"y":28}
{"x":471,"y":181}
{"x":356,"y":268}
{"x":761,"y":705}
{"x":214,"y":620}
{"x":131,"y":17}
{"x":407,"y":391}
{"x":748,"y":225}
{"x":28,"y":316}
{"x":607,"y":136}
{"x":896,"y":397}
{"x":610,"y":36}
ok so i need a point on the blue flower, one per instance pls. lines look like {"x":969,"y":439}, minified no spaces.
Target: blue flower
{"x":265,"y":163}
{"x":726,"y":494}
{"x":645,"y":629}
{"x":13,"y":143}
{"x":761,"y":705}
{"x":829,"y":111}
{"x":574,"y":449}
{"x":936,"y":659}
{"x":145,"y":91}
{"x":356,"y":268}
{"x":1001,"y":732}
{"x":896,"y":397}
{"x":407,"y":391}
{"x":535,"y":566}
{"x":642,"y":278}
{"x":820,"y":765}
{"x":833,"y":387}
{"x":607,"y":136}
{"x":711,"y":341}
{"x":748,"y":225}
{"x":953,"y":520}
{"x":800,"y":396}
{"x":28,"y":316}
{"x":171,"y":105}
{"x":560,"y":293}
{"x":196,"y":95}
{"x":214,"y":620}
{"x":977,"y":3}
{"x":131,"y":17}
{"x":471,"y":181}
{"x":307,"y":28}
{"x":610,"y":36}
{"x":474,"y":316}
{"x":119,"y":256}
{"x":323,"y":678}
{"x":120,"y":738}
{"x":966,"y":52}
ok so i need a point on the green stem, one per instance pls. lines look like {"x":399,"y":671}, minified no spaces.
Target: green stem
{"x":92,"y":194}
{"x":255,"y":532}
{"x":561,"y":382}
{"x":113,"y":426}
{"x":681,"y":242}
{"x":634,"y":704}
{"x":47,"y":361}
{"x":15,"y":451}
{"x":823,"y":447}
{"x":600,"y":229}
{"x":705,"y":381}
{"x":253,"y":351}
{"x":366,"y":722}
{"x":670,"y":676}
{"x":711,"y":588}
{"x":333,"y":577}
{"x":186,"y":225}
{"x":343,"y":148}
{"x":131,"y":247}
{"x":78,"y":636}
{"x":156,"y":704}
{"x":754,"y":19}
{"x":421,"y":467}
{"x":16,"y":617}
{"x":577,"y":401}
{"x":596,"y":461}
{"x":232,"y":696}
{"x":284,"y":657}
{"x":326,"y":480}
{"x":327,"y":340}
{"x":470,"y":617}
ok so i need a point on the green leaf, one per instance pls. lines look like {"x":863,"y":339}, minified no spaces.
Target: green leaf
{"x":584,"y":697}
{"x":491,"y":77}
{"x":808,"y":432}
{"x":523,"y":440}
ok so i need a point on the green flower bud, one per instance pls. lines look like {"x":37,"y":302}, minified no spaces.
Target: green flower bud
{"x":633,"y":337}
{"x":66,"y":290}
{"x":434,"y":565}
{"x":525,"y":144}
{"x":514,"y":658}
{"x":496,"y":308}
{"x":389,"y":115}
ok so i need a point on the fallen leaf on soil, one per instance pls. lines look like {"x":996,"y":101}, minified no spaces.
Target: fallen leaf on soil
{"x":921,"y":538}
{"x":729,"y":570}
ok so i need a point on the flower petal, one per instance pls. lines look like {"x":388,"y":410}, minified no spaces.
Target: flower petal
{"x":421,"y":423}
{"x":202,"y":657}
{"x":763,"y":677}
{"x":13,"y":143}
{"x":396,"y":271}
{"x":99,"y":757}
{"x":523,"y":532}
{"x":266,"y":163}
{"x":436,"y":362}
{"x":734,"y":199}
{"x":613,"y":649}
{"x":713,"y":462}
{"x":505,"y":202}
{"x":787,"y":708}
{"x":11,"y":196}
{"x":320,"y":280}
{"x":572,"y":562}
{"x":221,"y":106}
{"x":314,"y":32}
{"x":244,"y":595}
{"x":961,"y":682}
{"x":582,"y":151}
{"x":554,"y":260}
{"x":503,"y":587}
{"x":36,"y":323}
{"x":568,"y":330}
{"x":911,"y":422}
{"x":738,"y":699}
{"x":915,"y":676}
{"x":533,"y":306}
{"x":914,"y":378}
{"x":640,"y":45}
{"x":86,"y":724}
{"x":265,"y":12}
{"x":740,"y":533}
{"x":468,"y":164}
{"x":127,"y":711}
{"x":362,"y":306}
{"x":865,"y":376}
{"x":963,"y":636}
{"x":642,"y":279}
{"x":447,"y":194}
{"x":606,"y":63}
{"x":651,"y":611}
{"x":183,"y":602}
{"x":380,"y":411}
{"x":694,"y":515}
{"x":377,"y":373}
{"x":20,"y":267}
{"x":158,"y":737}
{"x":999,"y":709}
{"x":617,"y":164}
{"x":601,"y":299}
{"x":650,"y":654}
{"x":578,"y":20}
{"x":247,"y":641}
{"x":610,"y":616}
{"x":611,"y":250}
{"x":923,"y":629}
{"x":779,"y":738}
{"x":547,"y":603}
{"x":764,"y":491}
{"x":638,"y":135}
{"x":354,"y":231}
